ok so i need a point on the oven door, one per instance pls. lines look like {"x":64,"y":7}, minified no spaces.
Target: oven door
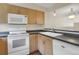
{"x":18,"y":42}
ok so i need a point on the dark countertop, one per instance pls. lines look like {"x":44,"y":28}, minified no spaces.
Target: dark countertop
{"x":4,"y":34}
{"x":67,"y":32}
{"x":38,"y":31}
{"x":65,"y":38}
{"x":72,"y":39}
{"x":69,"y":39}
{"x":68,"y":36}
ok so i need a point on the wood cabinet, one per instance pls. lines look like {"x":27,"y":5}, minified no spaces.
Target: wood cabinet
{"x":33,"y":42}
{"x":3,"y":46}
{"x":13,"y":9}
{"x":41,"y":44}
{"x":3,"y":13}
{"x":39,"y":17}
{"x":31,"y":17}
{"x":34,"y":16}
{"x":23,"y":11}
{"x":45,"y":45}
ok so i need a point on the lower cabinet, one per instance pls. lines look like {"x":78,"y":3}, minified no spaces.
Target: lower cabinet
{"x":33,"y":42}
{"x":3,"y":46}
{"x":45,"y":45}
{"x":41,"y":43}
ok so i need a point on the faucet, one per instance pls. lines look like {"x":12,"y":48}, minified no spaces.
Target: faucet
{"x":53,"y":30}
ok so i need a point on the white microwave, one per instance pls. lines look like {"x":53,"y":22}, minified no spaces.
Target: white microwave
{"x":17,"y":19}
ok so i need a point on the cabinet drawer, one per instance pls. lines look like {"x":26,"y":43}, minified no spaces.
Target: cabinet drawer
{"x":65,"y":48}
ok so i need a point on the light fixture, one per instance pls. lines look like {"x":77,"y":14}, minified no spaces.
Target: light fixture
{"x":54,"y":12}
{"x":72,"y":14}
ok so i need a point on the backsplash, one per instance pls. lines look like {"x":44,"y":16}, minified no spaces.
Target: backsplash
{"x":34,"y":26}
{"x":3,"y":27}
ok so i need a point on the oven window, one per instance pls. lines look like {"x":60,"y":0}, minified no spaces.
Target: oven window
{"x":19,"y":43}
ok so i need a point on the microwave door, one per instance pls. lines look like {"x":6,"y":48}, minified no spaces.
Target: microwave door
{"x":17,"y":19}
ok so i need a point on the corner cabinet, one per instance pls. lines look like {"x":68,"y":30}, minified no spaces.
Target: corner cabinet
{"x":35,"y":17}
{"x":3,"y":46}
{"x":45,"y":45}
{"x":39,"y":17}
{"x":31,"y":17}
{"x":33,"y":42}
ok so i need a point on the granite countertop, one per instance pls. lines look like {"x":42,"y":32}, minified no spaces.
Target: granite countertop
{"x":64,"y":38}
{"x":39,"y":30}
{"x":4,"y":34}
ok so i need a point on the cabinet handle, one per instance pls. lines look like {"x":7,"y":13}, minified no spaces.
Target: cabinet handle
{"x":62,"y":46}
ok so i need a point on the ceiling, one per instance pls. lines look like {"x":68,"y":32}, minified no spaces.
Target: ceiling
{"x":42,"y":6}
{"x":51,"y":6}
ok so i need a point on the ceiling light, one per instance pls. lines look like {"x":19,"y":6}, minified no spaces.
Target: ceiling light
{"x":72,"y":15}
{"x":54,"y":13}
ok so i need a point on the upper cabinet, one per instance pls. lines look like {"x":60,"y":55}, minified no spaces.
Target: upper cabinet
{"x":3,"y":13}
{"x":23,"y":11}
{"x":13,"y":9}
{"x":40,"y":17}
{"x":31,"y":17}
{"x":34,"y":16}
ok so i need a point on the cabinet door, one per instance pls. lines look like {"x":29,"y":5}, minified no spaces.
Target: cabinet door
{"x":13,"y":9}
{"x":40,"y":17}
{"x":24,"y":11}
{"x":45,"y":45}
{"x":33,"y":43}
{"x":3,"y":13}
{"x":41,"y":43}
{"x":48,"y":46}
{"x":31,"y":17}
{"x":3,"y":46}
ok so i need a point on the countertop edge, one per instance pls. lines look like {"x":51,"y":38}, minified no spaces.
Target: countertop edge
{"x":60,"y":39}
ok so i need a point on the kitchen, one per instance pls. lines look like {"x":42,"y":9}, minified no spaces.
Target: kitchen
{"x":39,"y":29}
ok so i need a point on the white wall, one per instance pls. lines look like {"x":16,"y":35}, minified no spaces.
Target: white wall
{"x":3,"y":27}
{"x":61,"y":19}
